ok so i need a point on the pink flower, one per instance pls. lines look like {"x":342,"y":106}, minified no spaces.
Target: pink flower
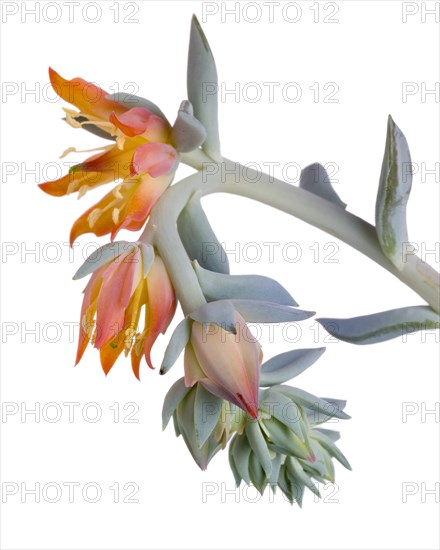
{"x":227,"y":364}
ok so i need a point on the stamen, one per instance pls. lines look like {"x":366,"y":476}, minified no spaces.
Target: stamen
{"x":115,"y":216}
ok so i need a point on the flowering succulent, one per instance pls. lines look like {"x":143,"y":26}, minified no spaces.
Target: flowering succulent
{"x":227,"y":396}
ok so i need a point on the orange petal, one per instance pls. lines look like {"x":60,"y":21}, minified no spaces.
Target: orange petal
{"x":120,"y":280}
{"x":88,"y":310}
{"x":161,"y":304}
{"x":87,"y":97}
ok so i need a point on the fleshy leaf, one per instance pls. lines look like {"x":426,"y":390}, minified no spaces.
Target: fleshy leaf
{"x":255,"y":311}
{"x":392,"y":197}
{"x":258,"y":445}
{"x":283,"y":409}
{"x":199,"y":239}
{"x":221,"y":313}
{"x":331,"y":448}
{"x":202,"y":84}
{"x":219,"y":286}
{"x":101,"y":256}
{"x":287,"y":365}
{"x":379,"y":327}
{"x":176,"y":345}
{"x":207,"y":409}
{"x":314,"y":178}
{"x":312,"y":402}
{"x":174,"y":396}
{"x":241,"y":452}
{"x":188,"y":133}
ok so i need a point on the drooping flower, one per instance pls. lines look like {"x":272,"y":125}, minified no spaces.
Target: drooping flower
{"x":126,"y":278}
{"x":226,"y":364}
{"x":142,"y":161}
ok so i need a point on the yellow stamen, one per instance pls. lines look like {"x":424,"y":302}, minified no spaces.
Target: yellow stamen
{"x":115,"y":216}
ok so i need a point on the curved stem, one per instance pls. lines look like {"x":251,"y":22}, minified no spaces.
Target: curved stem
{"x":230,"y":177}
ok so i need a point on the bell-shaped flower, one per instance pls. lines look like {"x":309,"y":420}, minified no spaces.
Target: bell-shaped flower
{"x":142,"y":161}
{"x":227,"y":363}
{"x":126,"y":278}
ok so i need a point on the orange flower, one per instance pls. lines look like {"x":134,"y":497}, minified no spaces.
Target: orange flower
{"x":143,"y":156}
{"x":113,"y":299}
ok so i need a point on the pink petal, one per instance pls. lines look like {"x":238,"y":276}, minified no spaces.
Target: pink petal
{"x":133,"y":122}
{"x":155,"y":159}
{"x":120,"y":281}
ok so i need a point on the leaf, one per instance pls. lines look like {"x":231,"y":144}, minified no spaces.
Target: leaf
{"x":199,"y":239}
{"x":312,"y":402}
{"x":314,"y":178}
{"x":188,"y":133}
{"x":379,"y":327}
{"x":221,"y":313}
{"x":259,"y":446}
{"x":331,"y":448}
{"x":202,"y":84}
{"x":174,"y":396}
{"x":295,"y":469}
{"x":233,"y":467}
{"x":287,"y":365}
{"x":284,"y":438}
{"x":394,"y":189}
{"x":283,"y":409}
{"x":255,"y":311}
{"x":176,"y":345}
{"x":207,"y":409}
{"x":218,"y":286}
{"x":241,"y":453}
{"x":101,"y":256}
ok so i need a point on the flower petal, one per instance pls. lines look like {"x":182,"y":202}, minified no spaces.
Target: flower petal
{"x":154,"y":159}
{"x":120,"y":281}
{"x":87,"y":97}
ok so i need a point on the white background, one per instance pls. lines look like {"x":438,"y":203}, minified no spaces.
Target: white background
{"x":369,"y":54}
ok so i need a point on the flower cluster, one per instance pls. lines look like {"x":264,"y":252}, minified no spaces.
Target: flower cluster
{"x":227,"y":395}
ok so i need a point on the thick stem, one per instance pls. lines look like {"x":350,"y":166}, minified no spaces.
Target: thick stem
{"x":229,"y":177}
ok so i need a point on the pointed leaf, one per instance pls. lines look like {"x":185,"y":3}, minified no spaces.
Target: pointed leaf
{"x":258,"y":445}
{"x":218,"y":286}
{"x":287,"y":365}
{"x":256,"y":473}
{"x":221,"y":313}
{"x":199,"y":239}
{"x":174,"y":396}
{"x":242,"y":452}
{"x":283,"y":409}
{"x":255,"y":311}
{"x":202,"y":84}
{"x":312,"y":402}
{"x":331,"y":434}
{"x":101,"y":256}
{"x":314,"y":178}
{"x":379,"y":327}
{"x":392,"y":197}
{"x":176,"y":345}
{"x":207,"y":409}
{"x":331,"y":448}
{"x":233,"y":467}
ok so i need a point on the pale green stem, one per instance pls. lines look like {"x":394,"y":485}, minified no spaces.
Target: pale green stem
{"x":229,"y":177}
